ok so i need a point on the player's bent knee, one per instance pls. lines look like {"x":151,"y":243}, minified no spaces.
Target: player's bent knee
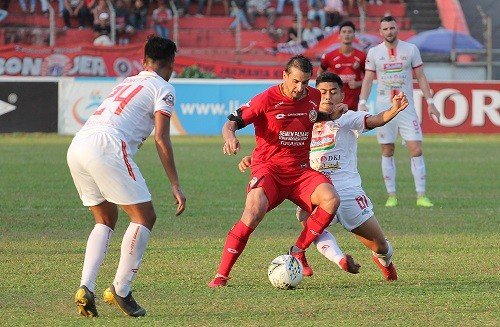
{"x":330,"y":203}
{"x":254,"y":213}
{"x":141,"y":213}
{"x":326,"y":197}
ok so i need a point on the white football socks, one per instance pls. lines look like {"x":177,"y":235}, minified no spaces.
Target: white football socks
{"x":133,"y":246}
{"x":418,"y":171}
{"x":385,"y":259}
{"x":327,"y":246}
{"x":389,"y":174}
{"x":97,"y":247}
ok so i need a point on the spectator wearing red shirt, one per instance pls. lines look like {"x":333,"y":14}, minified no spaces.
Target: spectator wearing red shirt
{"x":348,"y":63}
{"x":283,"y":117}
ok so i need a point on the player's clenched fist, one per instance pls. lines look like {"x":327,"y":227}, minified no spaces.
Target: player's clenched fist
{"x":245,"y":162}
{"x":231,"y":146}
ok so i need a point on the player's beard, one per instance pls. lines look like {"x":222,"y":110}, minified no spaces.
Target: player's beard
{"x":390,"y":38}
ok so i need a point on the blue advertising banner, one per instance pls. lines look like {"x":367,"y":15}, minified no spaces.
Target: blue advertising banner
{"x":203,"y":105}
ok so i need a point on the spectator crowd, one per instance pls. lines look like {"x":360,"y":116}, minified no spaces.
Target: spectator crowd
{"x":134,"y":15}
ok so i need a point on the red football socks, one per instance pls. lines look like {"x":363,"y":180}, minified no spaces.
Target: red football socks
{"x":235,"y":243}
{"x":315,"y":225}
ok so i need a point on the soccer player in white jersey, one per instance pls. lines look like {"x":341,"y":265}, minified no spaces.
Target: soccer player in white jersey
{"x":393,"y":61}
{"x":100,"y":159}
{"x":334,"y":153}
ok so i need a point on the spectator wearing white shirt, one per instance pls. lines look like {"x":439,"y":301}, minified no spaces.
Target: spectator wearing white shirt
{"x":311,"y":33}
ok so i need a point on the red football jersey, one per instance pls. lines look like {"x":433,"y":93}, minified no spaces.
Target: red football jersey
{"x":348,"y":67}
{"x":283,"y":127}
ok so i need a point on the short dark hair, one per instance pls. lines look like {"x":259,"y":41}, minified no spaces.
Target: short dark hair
{"x":347,"y":23}
{"x":327,"y":77}
{"x":387,"y":19}
{"x":160,"y":49}
{"x":300,"y":62}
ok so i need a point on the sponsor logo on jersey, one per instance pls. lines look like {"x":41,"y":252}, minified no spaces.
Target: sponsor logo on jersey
{"x":313,"y":115}
{"x":169,"y":100}
{"x":326,"y":166}
{"x":296,"y":114}
{"x":393,"y":67}
{"x":293,"y":114}
{"x":314,"y":104}
{"x":278,"y":104}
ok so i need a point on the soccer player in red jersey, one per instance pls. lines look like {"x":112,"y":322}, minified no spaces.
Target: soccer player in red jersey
{"x":348,"y":63}
{"x":283,"y":117}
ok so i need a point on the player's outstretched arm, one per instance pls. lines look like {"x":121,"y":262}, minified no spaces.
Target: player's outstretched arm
{"x":399,"y":103}
{"x":166,"y":154}
{"x":231,"y":143}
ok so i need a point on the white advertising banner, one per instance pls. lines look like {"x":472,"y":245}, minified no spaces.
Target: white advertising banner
{"x":79,"y":98}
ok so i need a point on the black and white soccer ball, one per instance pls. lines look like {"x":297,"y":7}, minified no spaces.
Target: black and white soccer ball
{"x":285,"y":272}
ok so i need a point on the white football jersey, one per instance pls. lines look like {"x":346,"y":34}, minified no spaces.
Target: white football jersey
{"x":334,"y":149}
{"x":394,"y":68}
{"x":128,"y":111}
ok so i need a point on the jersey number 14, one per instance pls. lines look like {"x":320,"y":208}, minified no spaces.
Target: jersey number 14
{"x":121,"y":96}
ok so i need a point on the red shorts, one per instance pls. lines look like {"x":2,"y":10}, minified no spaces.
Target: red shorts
{"x":296,"y":187}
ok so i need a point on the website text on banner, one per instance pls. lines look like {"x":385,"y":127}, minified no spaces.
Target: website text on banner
{"x":202,"y":106}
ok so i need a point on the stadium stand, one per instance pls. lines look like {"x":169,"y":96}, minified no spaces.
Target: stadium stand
{"x":208,"y":36}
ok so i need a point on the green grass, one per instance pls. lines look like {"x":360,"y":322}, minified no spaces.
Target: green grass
{"x":447,"y":257}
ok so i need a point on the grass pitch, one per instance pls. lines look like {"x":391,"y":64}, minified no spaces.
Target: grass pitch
{"x":447,"y":257}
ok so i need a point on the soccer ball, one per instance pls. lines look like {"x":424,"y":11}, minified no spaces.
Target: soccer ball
{"x":285,"y":272}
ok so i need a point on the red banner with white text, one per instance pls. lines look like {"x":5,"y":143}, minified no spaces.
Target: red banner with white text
{"x":465,"y":107}
{"x":18,"y":60}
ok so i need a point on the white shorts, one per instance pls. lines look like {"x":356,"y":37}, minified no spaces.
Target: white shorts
{"x":102,"y":170}
{"x":355,"y":208}
{"x":406,"y":123}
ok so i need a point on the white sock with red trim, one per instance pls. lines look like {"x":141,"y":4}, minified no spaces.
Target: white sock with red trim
{"x":418,"y":171}
{"x":133,"y":246}
{"x":327,"y":246}
{"x":97,"y":247}
{"x":389,"y":174}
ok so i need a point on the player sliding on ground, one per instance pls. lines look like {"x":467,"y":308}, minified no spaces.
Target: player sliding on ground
{"x":100,"y":159}
{"x":334,"y":153}
{"x":283,"y":117}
